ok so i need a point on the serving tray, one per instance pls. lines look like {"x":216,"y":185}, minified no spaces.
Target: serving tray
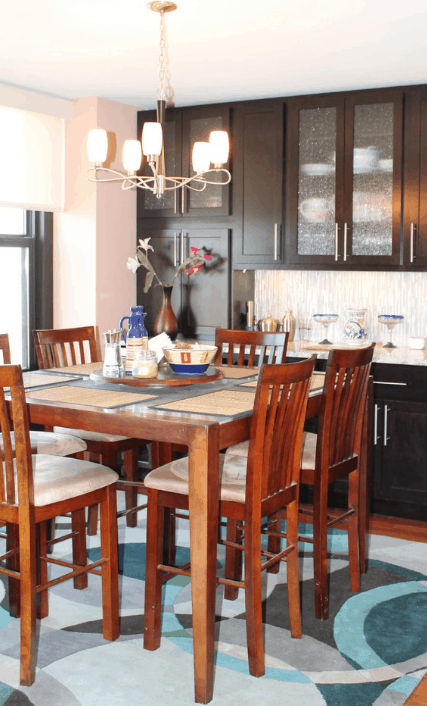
{"x":165,"y":377}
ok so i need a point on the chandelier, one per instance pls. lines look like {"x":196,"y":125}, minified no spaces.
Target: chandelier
{"x":215,"y":152}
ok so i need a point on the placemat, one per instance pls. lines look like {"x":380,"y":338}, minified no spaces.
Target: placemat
{"x":316,"y":382}
{"x":83,"y":368}
{"x":224,"y":402}
{"x":88,"y":396}
{"x":230,"y":371}
{"x":38,"y":379}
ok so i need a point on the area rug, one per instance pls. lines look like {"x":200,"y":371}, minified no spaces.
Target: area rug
{"x":372,"y":650}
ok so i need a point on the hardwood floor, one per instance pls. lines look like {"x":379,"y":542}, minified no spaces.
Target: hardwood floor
{"x":419,"y":695}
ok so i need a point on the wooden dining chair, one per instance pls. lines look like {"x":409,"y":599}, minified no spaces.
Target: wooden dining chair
{"x":251,"y":348}
{"x":336,"y":451}
{"x":270,"y":484}
{"x":33,"y":490}
{"x":59,"y":348}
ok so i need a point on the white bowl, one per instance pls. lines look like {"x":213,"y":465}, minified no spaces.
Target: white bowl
{"x":416,"y":343}
{"x":190,"y":361}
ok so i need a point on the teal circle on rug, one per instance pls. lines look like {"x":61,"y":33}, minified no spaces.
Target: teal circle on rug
{"x":132,"y":558}
{"x":397,"y":629}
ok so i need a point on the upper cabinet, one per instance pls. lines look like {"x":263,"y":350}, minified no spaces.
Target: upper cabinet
{"x":343,"y":179}
{"x":183,"y":128}
{"x":257,"y":182}
{"x":415,"y":180}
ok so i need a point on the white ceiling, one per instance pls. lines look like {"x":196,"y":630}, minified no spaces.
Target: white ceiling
{"x":220,"y":50}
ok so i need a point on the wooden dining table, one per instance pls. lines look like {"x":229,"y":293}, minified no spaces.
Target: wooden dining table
{"x":162,"y":414}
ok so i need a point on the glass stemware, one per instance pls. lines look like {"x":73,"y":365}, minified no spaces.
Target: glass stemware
{"x":325,"y":320}
{"x":390,"y":320}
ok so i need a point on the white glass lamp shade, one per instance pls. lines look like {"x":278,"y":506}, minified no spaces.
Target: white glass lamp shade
{"x":132,"y":156}
{"x":97,"y":146}
{"x":219,"y":146}
{"x":201,"y":157}
{"x":152,"y":139}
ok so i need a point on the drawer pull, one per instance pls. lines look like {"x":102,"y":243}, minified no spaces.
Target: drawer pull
{"x":375,"y":424}
{"x":386,"y":438}
{"x":381,"y":382}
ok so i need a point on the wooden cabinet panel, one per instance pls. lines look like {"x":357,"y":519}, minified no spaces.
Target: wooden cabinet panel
{"x":415,"y":179}
{"x":257,"y":182}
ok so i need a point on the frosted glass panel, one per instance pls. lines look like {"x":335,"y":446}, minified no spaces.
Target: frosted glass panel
{"x":151,"y":202}
{"x":211,"y":197}
{"x":316,"y":182}
{"x":373,"y":179}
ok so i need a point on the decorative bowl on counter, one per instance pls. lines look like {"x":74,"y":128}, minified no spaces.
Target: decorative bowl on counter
{"x":189,"y":359}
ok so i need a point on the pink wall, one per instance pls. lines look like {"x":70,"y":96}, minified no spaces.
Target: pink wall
{"x":96,"y":233}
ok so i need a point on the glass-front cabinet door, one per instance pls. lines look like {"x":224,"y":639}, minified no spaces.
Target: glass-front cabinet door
{"x":343,"y":186}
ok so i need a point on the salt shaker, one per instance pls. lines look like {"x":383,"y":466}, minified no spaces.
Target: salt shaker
{"x":144,"y":364}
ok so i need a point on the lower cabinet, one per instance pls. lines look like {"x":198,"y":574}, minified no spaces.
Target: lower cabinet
{"x":201,"y":301}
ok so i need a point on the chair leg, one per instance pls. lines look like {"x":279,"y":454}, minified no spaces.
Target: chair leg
{"x":293,"y":571}
{"x":320,"y":549}
{"x":130,"y":471}
{"x":364,"y":466}
{"x":12,"y":541}
{"x":353,"y":531}
{"x":110,"y":570}
{"x":78,"y":525}
{"x":233,"y":559}
{"x":164,"y":454}
{"x":92,"y":520}
{"x":28,"y":570}
{"x":42,"y":572}
{"x":274,"y":543}
{"x":253,"y":596}
{"x":153,"y":578}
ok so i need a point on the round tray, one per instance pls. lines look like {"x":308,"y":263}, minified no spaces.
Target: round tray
{"x":165,"y":377}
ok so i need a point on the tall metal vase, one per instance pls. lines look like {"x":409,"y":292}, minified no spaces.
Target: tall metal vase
{"x":166,"y":320}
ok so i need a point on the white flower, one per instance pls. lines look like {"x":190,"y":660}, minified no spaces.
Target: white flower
{"x":144,"y":244}
{"x":132,"y":264}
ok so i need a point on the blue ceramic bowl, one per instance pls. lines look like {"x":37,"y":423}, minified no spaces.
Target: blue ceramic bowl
{"x":190,"y":361}
{"x":183,"y":369}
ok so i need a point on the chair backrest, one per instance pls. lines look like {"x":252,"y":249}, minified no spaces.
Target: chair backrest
{"x":252,"y":347}
{"x":277,"y":426}
{"x":59,"y":348}
{"x":5,"y":348}
{"x":345,"y":390}
{"x":17,"y":416}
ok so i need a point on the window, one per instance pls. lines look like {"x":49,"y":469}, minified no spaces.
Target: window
{"x":25,"y":279}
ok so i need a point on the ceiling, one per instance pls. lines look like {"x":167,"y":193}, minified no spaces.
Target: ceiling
{"x":220,"y":50}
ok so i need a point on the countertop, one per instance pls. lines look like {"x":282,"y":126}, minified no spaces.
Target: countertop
{"x":396,"y":356}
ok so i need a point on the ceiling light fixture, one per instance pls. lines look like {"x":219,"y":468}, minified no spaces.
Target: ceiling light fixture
{"x":215,"y":152}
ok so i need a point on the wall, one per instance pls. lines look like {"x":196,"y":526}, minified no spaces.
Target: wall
{"x":310,"y":292}
{"x":96,"y":233}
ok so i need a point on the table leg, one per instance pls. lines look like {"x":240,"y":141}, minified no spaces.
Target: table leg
{"x":203,"y":506}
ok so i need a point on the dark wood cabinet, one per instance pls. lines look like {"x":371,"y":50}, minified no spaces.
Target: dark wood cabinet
{"x":184,"y":127}
{"x":200,"y":301}
{"x":343,"y":180}
{"x":415,"y":179}
{"x":257,"y":182}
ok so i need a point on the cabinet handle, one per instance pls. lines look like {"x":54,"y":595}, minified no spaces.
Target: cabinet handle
{"x":182,"y":199}
{"x":382,"y":382}
{"x":182,"y":247}
{"x":276,"y":233}
{"x":411,"y":244}
{"x":386,"y":438}
{"x":345,"y":242}
{"x":375,"y":424}
{"x":175,"y":202}
{"x":336,"y":241}
{"x":174,"y":250}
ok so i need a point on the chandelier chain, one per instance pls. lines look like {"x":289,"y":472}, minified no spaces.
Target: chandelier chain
{"x":165,"y":90}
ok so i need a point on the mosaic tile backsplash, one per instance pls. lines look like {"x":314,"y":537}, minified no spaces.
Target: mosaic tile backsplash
{"x":314,"y":292}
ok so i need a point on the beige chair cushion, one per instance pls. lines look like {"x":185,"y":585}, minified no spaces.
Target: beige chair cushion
{"x":308,"y":450}
{"x":173,"y":477}
{"x":47,"y":442}
{"x":90,"y":435}
{"x":57,"y":478}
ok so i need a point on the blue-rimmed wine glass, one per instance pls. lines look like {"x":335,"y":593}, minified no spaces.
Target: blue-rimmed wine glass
{"x":390,"y":320}
{"x":325,"y":320}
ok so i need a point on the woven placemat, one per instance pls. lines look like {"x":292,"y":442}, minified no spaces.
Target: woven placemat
{"x":316,"y":382}
{"x":230,"y":371}
{"x":38,"y":379}
{"x":88,"y":396}
{"x":82,"y":369}
{"x":224,"y":402}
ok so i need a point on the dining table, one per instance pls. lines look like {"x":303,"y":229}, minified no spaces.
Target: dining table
{"x":205,"y":417}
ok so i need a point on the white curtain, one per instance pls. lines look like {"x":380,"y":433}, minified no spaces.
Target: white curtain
{"x":32,"y":155}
